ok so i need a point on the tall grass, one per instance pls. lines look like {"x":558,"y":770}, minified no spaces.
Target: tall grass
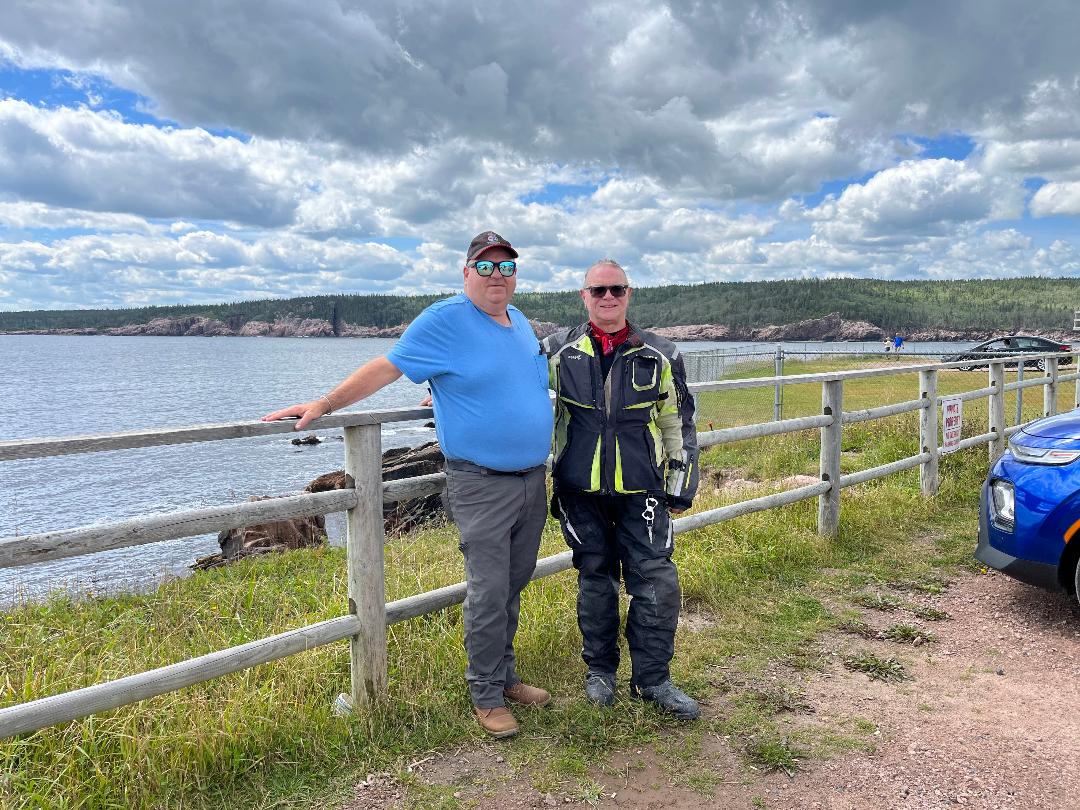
{"x":267,"y":736}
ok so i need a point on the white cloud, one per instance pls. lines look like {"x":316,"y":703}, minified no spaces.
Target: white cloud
{"x":1056,"y":198}
{"x":1057,"y":158}
{"x":79,"y":158}
{"x":917,"y":199}
{"x":36,"y":215}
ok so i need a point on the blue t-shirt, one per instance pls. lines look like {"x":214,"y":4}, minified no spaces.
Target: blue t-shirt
{"x":489,"y":383}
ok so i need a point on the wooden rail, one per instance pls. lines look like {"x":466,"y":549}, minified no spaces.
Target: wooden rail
{"x":369,"y":614}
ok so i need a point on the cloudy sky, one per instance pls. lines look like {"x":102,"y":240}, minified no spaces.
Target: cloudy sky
{"x":157,"y":152}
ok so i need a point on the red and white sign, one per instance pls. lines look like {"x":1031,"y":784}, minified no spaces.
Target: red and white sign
{"x":952,"y":421}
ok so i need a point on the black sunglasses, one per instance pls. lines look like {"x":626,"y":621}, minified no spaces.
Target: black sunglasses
{"x":486,"y":268}
{"x":616,"y":290}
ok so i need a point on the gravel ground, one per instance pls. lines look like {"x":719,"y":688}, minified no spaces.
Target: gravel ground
{"x":988,"y":720}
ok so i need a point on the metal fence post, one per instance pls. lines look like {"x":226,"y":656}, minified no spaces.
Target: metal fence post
{"x":928,"y":432}
{"x":778,"y":396}
{"x":367,"y":586}
{"x":1050,"y":389}
{"x":1019,"y":394}
{"x":996,"y":423}
{"x":832,"y":404}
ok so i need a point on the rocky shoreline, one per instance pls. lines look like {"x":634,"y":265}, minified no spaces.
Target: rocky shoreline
{"x":831,"y":327}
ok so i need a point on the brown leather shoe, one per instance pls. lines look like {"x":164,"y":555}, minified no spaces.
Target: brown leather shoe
{"x":525,"y":695}
{"x":498,"y":722}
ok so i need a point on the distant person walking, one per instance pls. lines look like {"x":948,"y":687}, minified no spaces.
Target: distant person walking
{"x":898,"y":344}
{"x":886,"y":344}
{"x":489,"y":386}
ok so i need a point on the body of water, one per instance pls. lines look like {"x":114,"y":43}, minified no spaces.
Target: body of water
{"x":68,"y":386}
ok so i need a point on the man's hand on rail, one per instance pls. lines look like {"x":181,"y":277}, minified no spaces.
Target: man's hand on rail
{"x":305,"y":411}
{"x":674,"y":511}
{"x":363,"y":382}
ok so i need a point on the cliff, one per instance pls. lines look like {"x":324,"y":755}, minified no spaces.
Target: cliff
{"x":829,"y":328}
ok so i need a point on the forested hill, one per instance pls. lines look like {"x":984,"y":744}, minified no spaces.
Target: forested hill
{"x":1005,"y":304}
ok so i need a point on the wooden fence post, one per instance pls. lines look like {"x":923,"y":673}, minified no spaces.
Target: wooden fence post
{"x":928,"y":432}
{"x":1050,"y":389}
{"x":1019,"y":394}
{"x":832,"y":404}
{"x":778,"y":392}
{"x":367,"y":586}
{"x":996,"y":422}
{"x":1076,"y":367}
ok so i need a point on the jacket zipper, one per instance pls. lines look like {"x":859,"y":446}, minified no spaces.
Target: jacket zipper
{"x":600,"y":383}
{"x":607,"y":447}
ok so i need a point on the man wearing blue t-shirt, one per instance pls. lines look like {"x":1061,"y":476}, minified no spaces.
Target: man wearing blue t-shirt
{"x":493,"y":418}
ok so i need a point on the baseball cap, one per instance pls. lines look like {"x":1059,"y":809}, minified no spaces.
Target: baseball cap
{"x":485,"y":240}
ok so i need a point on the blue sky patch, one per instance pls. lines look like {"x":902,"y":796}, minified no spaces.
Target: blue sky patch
{"x":54,"y":89}
{"x":955,"y":146}
{"x":217,"y":132}
{"x":559,"y":192}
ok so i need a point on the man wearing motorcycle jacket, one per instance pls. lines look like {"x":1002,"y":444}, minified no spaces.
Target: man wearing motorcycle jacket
{"x":626,"y":458}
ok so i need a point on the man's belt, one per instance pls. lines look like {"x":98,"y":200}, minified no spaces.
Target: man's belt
{"x":468,"y":466}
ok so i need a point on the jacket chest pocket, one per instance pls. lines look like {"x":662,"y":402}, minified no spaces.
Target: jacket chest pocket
{"x":576,"y":382}
{"x":643,"y":381}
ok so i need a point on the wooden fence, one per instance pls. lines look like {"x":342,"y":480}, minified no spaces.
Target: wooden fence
{"x":364,"y":625}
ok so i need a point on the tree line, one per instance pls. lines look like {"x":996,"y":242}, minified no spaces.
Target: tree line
{"x":1015,"y":304}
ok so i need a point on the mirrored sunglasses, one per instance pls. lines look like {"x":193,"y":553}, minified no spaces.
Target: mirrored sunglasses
{"x":485,"y":268}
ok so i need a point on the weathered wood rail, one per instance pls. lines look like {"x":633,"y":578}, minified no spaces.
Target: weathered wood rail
{"x":368,"y":612}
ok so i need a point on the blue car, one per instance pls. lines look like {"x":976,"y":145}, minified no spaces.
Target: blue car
{"x":1029,"y":516}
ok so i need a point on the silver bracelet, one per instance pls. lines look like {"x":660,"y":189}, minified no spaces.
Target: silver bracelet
{"x":329,"y":404}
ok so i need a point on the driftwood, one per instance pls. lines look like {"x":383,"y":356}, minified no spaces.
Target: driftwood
{"x":400,"y":463}
{"x":308,"y":532}
{"x":266,"y":538}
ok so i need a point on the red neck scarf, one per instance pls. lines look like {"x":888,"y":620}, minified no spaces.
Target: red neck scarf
{"x":609,"y":342}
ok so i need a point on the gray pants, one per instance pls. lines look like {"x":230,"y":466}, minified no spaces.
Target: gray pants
{"x":500,"y":518}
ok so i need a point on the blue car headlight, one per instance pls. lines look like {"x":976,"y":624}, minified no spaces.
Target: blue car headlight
{"x":1043,"y":455}
{"x":1003,"y":504}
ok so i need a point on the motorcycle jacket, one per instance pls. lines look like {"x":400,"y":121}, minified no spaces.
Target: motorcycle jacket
{"x":631,"y":431}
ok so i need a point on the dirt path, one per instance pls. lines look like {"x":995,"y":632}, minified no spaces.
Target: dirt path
{"x":989,"y":720}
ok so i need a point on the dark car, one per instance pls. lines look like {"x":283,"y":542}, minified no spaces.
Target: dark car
{"x":1029,"y":516}
{"x":1008,"y":346}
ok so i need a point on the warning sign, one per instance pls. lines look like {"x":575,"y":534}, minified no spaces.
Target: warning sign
{"x":952,"y":421}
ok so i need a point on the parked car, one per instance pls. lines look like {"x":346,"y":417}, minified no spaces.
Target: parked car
{"x":1008,"y":345}
{"x":1029,"y":517}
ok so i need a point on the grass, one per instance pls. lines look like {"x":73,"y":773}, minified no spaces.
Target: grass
{"x":267,"y":737}
{"x":856,"y":627}
{"x":878,"y":600}
{"x":876,"y":667}
{"x":930,"y":614}
{"x":908,"y":634}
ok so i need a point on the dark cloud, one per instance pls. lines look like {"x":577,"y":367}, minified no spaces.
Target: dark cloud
{"x":633,"y":84}
{"x":707,"y":130}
